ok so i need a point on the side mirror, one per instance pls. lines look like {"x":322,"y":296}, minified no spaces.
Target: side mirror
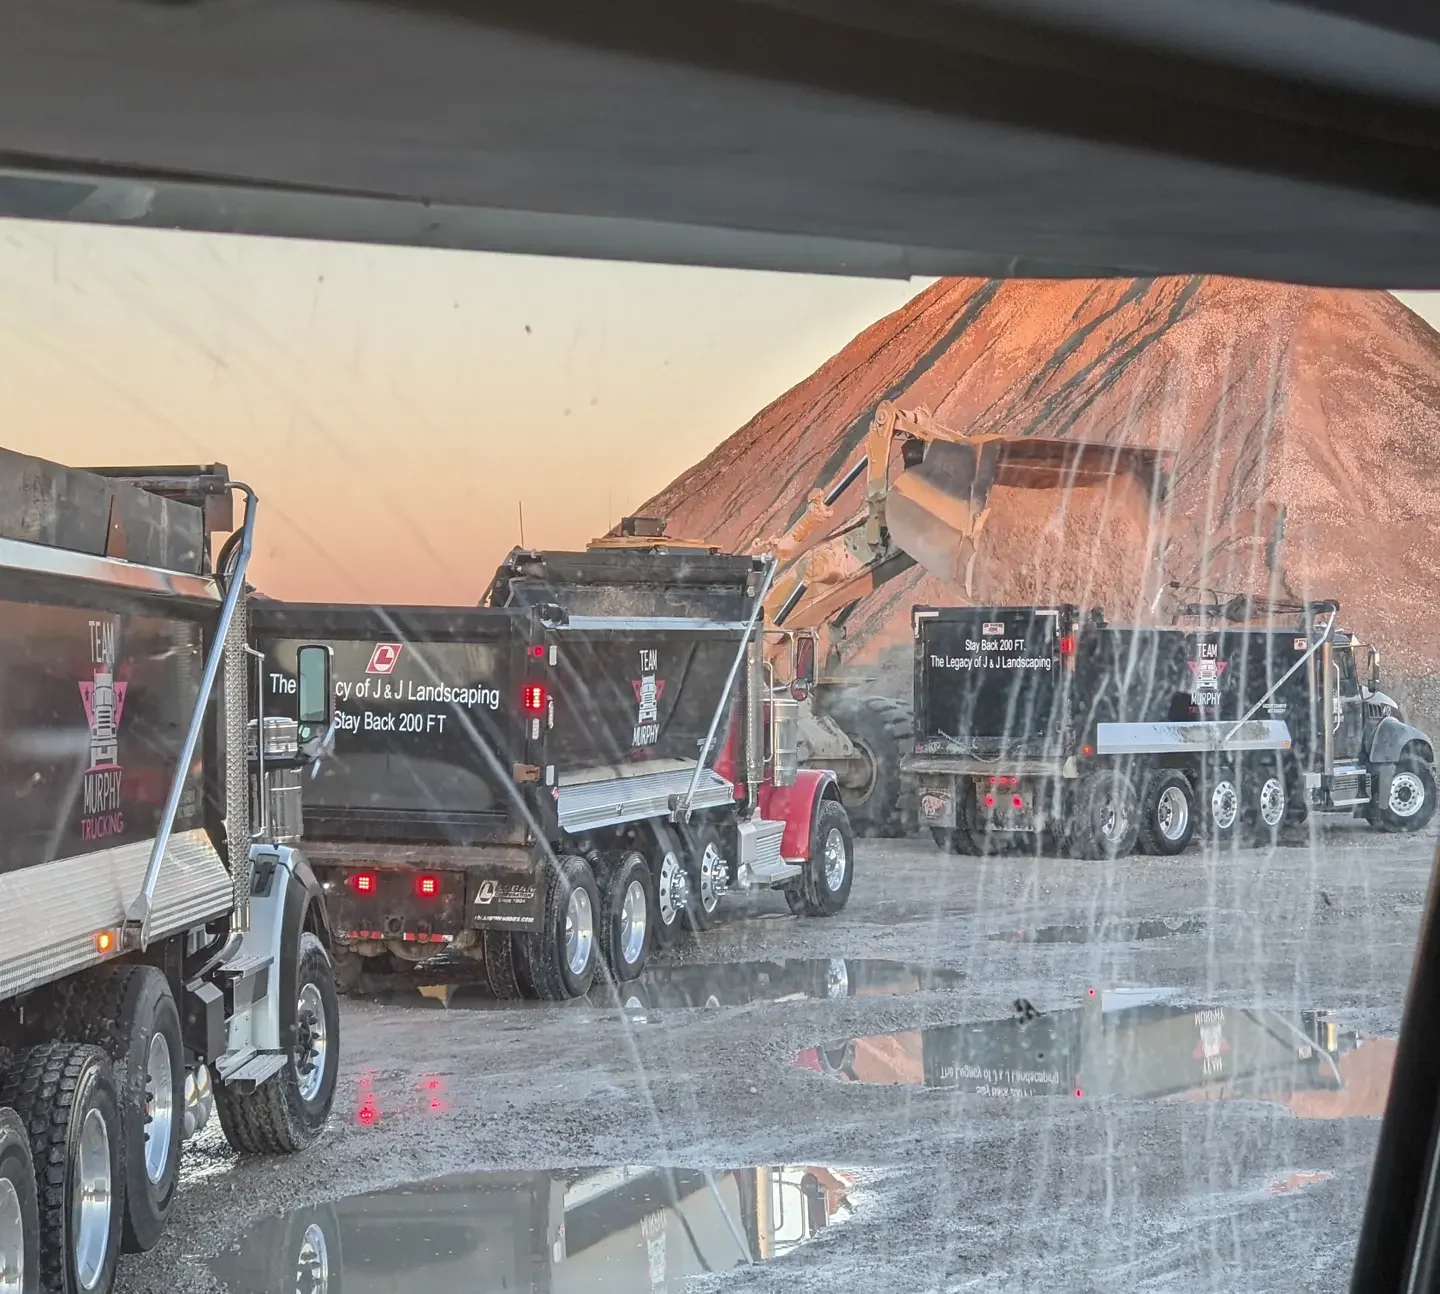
{"x":317,"y":697}
{"x":1372,"y":668}
{"x":803,"y":674}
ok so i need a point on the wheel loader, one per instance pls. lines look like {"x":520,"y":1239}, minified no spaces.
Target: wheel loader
{"x":931,"y":513}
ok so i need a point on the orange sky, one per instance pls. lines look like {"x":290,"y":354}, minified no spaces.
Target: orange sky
{"x":392,"y":406}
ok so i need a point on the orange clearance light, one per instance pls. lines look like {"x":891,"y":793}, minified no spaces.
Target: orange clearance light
{"x":104,"y":941}
{"x":1087,"y":750}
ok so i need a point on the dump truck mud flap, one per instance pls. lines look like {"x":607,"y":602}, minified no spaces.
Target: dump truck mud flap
{"x":504,"y":901}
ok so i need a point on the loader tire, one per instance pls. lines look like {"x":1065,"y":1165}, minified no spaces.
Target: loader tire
{"x":883,"y":731}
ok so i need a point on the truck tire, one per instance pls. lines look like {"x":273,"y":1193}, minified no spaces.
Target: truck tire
{"x":1105,"y":815}
{"x":955,"y":840}
{"x":500,"y":965}
{"x":1266,"y":808}
{"x":64,"y":1095}
{"x":559,"y":958}
{"x":670,"y":886}
{"x":707,"y":872}
{"x":298,"y":1251}
{"x":129,"y":1012}
{"x":625,"y":917}
{"x":883,"y":731}
{"x":1167,"y":813}
{"x":1219,"y":805}
{"x":1410,"y":802}
{"x":830,"y":869}
{"x":19,"y":1208}
{"x":287,"y":1113}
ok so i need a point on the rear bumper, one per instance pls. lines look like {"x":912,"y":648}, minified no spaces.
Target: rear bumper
{"x":425,"y":896}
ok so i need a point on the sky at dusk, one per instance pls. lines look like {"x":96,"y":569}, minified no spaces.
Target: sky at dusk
{"x":393,"y":407}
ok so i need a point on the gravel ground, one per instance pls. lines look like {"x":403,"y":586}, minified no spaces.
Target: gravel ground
{"x":956,"y":1190}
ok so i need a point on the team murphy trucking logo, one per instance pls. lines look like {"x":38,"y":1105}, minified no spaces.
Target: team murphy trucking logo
{"x":648,"y":690}
{"x":104,"y":699}
{"x":1205,"y":675}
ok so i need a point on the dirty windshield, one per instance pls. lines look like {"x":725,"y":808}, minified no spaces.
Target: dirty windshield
{"x":534,"y":774}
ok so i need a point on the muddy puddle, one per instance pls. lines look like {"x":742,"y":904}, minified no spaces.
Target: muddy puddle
{"x":719,"y":984}
{"x":1132,"y":1044}
{"x":620,"y":1229}
{"x":1106,"y":932}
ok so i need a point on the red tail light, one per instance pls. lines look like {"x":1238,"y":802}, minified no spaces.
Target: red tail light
{"x":989,"y":801}
{"x":427,"y":887}
{"x":362,"y":882}
{"x":534,"y":698}
{"x":1018,"y":802}
{"x":1067,"y":645}
{"x":538,"y":651}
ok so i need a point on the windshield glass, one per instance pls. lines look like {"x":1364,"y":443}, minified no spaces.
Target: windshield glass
{"x":749,"y":780}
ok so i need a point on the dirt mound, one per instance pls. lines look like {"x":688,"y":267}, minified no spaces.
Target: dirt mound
{"x":1322,"y":404}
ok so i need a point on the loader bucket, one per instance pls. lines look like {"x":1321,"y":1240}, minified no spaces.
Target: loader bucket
{"x":936,"y":510}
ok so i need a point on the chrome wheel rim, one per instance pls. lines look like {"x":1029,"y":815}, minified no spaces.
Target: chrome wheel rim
{"x":93,"y":1200}
{"x":710,"y":865}
{"x":1172,"y":813}
{"x":1224,"y":804}
{"x":579,"y":930}
{"x":1407,"y":795}
{"x":159,"y":1108}
{"x":837,"y":860}
{"x":1272,"y":802}
{"x":1114,"y":820}
{"x":670,"y":889}
{"x":312,"y":1042}
{"x":312,"y":1263}
{"x":837,"y":979}
{"x":634,"y":921}
{"x":12,"y":1240}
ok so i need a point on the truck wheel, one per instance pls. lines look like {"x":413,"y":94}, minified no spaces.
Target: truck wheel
{"x":1219,"y":806}
{"x":670,"y":888}
{"x":830,"y":869}
{"x":500,"y":965}
{"x":1105,"y":822}
{"x":882,"y":731}
{"x":559,"y":958}
{"x":1267,"y":796}
{"x":1167,"y":813}
{"x":707,"y":872}
{"x":64,"y":1095}
{"x":955,"y":840}
{"x":129,"y":1012}
{"x":625,"y":914}
{"x":286,"y":1113}
{"x":1410,"y":804}
{"x":19,"y":1209}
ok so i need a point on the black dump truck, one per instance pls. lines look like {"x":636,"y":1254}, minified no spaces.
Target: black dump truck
{"x":571,"y":771}
{"x":1125,"y":1044}
{"x":1035,"y":720}
{"x":162,"y":943}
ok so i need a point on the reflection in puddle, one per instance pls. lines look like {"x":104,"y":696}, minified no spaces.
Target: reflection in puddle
{"x":1109,"y":932}
{"x":1129,"y":1045}
{"x":620,"y":1229}
{"x":730,"y":984}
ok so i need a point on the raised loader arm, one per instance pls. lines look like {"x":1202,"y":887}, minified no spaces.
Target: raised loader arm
{"x":931,"y":513}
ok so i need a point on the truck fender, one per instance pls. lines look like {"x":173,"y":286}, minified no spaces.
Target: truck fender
{"x":286,"y":901}
{"x":1392,"y":736}
{"x":796,"y":807}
